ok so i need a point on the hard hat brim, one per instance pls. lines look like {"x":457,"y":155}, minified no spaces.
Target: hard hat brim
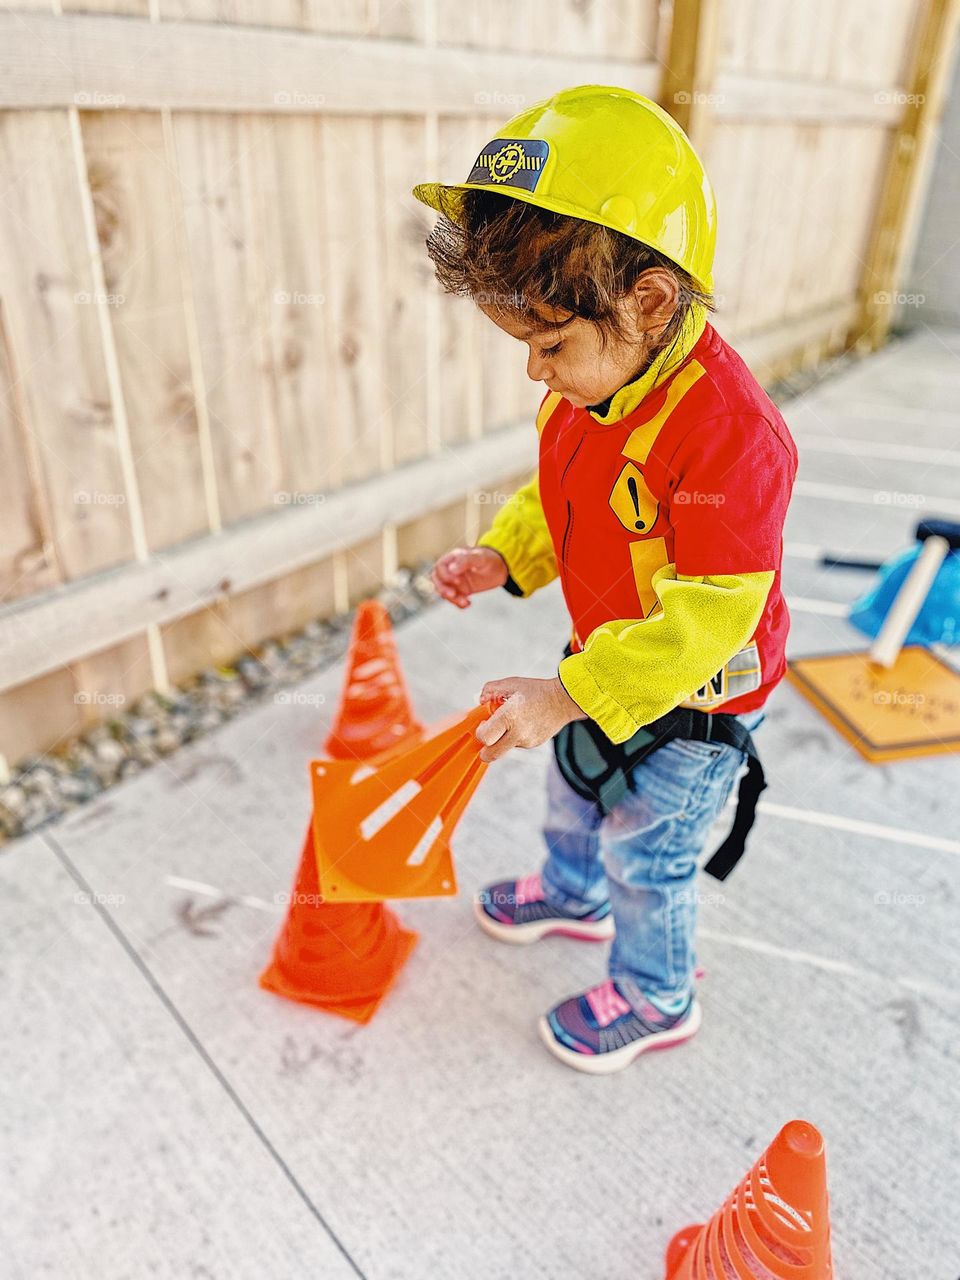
{"x":445,"y":198}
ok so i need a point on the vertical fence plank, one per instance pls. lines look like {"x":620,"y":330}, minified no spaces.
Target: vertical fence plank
{"x":286,"y":158}
{"x":50,"y":309}
{"x":407,"y":274}
{"x":28,"y":554}
{"x":219,"y":198}
{"x":38,"y":716}
{"x":459,"y":375}
{"x":351,"y":184}
{"x":138,"y":247}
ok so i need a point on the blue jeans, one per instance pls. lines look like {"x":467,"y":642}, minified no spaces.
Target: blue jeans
{"x":642,"y":856}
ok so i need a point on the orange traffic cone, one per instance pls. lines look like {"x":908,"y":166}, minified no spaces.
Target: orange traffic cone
{"x":774,"y":1226}
{"x":382,"y":829}
{"x":343,"y":958}
{"x":375,"y":711}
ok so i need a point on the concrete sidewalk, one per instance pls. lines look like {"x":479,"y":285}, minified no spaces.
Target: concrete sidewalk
{"x":165,"y":1117}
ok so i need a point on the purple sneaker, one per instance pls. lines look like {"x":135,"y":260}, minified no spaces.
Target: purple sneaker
{"x":601,"y":1032}
{"x":516,"y":911}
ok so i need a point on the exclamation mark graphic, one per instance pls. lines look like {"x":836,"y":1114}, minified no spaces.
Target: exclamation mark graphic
{"x":635,"y":495}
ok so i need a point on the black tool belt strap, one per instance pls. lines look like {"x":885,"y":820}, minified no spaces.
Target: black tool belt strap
{"x":602,"y":771}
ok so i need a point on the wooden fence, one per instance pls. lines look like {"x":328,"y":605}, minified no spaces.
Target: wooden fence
{"x":233,"y":396}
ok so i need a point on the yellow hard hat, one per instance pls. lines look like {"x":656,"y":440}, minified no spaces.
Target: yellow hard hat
{"x":606,"y":155}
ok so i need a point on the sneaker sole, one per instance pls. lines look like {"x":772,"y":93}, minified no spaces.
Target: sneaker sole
{"x":602,"y":1064}
{"x":523,"y":934}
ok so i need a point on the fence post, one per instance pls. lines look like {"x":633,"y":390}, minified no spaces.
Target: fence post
{"x":902,"y":180}
{"x":688,"y":67}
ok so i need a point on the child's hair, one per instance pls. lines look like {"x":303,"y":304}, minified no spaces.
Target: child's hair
{"x":521,"y":259}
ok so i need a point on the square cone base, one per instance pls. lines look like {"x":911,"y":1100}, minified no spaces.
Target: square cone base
{"x":909,"y":709}
{"x":359,"y":1010}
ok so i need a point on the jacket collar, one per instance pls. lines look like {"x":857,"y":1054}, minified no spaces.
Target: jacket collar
{"x":664,"y":363}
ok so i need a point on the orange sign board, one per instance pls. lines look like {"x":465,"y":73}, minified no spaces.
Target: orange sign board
{"x":909,"y":709}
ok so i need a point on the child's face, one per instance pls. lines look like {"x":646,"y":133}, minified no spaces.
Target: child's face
{"x":568,"y":356}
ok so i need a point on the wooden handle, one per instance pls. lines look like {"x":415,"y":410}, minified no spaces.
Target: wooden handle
{"x":908,"y":603}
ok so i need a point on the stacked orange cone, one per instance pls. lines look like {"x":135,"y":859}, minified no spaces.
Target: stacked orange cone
{"x":374,"y":712}
{"x":774,"y":1226}
{"x":344,"y":957}
{"x":382,"y":830}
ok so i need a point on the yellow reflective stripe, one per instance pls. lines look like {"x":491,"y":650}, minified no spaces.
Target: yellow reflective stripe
{"x":647,"y":555}
{"x":546,"y":409}
{"x":641,"y":440}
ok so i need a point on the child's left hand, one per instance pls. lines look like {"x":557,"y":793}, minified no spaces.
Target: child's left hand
{"x":534,"y":711}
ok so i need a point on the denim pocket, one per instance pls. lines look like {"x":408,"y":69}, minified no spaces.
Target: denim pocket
{"x":698,"y":750}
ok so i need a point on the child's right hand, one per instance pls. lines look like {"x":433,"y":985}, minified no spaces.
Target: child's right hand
{"x":462,"y":572}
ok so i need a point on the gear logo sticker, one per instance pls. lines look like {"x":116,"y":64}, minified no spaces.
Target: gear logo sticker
{"x":506,"y":162}
{"x":510,"y":162}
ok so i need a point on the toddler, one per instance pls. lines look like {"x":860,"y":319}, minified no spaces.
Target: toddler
{"x":586,"y":230}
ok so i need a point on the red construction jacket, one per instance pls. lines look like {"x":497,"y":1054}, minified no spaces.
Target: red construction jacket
{"x":665,"y":529}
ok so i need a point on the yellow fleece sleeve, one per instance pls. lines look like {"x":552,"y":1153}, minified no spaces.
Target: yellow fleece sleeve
{"x":631,"y":671}
{"x":519,"y":532}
